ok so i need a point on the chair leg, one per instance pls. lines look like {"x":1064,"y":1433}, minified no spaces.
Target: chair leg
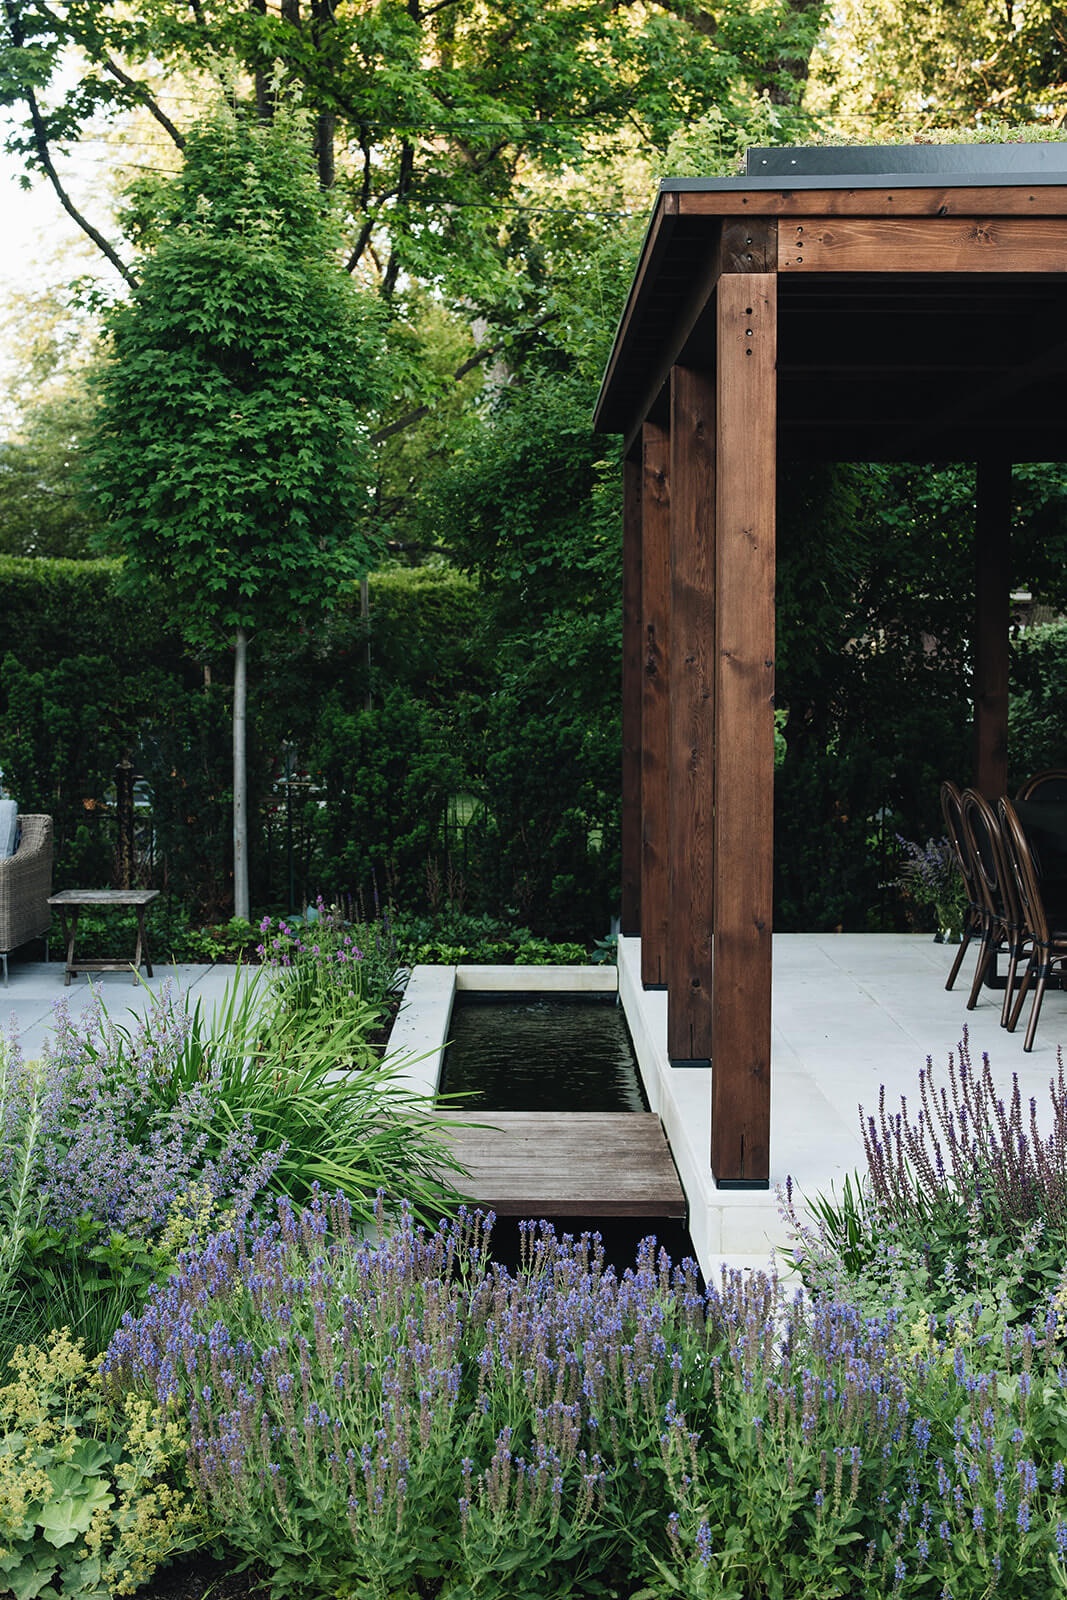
{"x":1024,"y":988}
{"x":968,"y":933}
{"x":989,"y":945}
{"x":3,"y":958}
{"x":1016,"y":951}
{"x":1039,"y":995}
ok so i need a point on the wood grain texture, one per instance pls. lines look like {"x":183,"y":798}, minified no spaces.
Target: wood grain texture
{"x":566,"y":1163}
{"x":630,"y":842}
{"x":992,"y":549}
{"x":924,"y":244}
{"x":748,"y":244}
{"x":104,"y":897}
{"x":692,"y":728}
{"x":744,"y":743}
{"x":655,"y":709}
{"x":1006,"y":200}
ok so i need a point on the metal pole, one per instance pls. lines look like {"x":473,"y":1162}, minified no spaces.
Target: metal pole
{"x":124,"y":820}
{"x":290,"y":754}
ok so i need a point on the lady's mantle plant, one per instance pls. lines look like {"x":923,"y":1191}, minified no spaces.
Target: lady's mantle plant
{"x":91,"y":1498}
{"x":371,"y":1421}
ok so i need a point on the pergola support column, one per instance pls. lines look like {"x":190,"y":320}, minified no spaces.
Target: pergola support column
{"x":655,"y":731}
{"x":992,"y":613}
{"x":630,"y":842}
{"x":689,"y":960}
{"x":746,"y":460}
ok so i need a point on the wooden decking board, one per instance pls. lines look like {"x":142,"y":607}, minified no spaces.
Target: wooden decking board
{"x":566,"y":1163}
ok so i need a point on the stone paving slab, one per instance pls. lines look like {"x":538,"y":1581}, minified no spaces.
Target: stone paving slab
{"x":35,"y":988}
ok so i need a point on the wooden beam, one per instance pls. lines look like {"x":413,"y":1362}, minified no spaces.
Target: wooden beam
{"x":689,"y":985}
{"x":741,"y":244}
{"x":744,"y":728}
{"x":655,"y":709}
{"x":928,"y":201}
{"x":924,"y":244}
{"x":630,"y":910}
{"x":992,"y":580}
{"x":653,"y":251}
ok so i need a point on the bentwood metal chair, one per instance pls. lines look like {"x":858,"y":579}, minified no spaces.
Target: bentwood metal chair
{"x":972,"y":919}
{"x":1003,"y":927}
{"x":1045,"y":788}
{"x":1046,"y":925}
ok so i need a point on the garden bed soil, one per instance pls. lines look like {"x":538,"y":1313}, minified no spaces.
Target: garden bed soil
{"x":200,"y":1577}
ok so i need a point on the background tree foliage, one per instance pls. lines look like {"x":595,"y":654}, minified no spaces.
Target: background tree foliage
{"x":491,"y":163}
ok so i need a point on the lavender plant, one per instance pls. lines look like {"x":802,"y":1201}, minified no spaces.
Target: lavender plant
{"x":965,"y":1194}
{"x":930,"y":876}
{"x":406,"y":1417}
{"x":97,"y":1174}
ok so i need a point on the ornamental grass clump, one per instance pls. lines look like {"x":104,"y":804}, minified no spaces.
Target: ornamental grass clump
{"x":373,"y":1421}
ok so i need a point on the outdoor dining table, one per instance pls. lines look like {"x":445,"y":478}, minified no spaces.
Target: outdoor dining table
{"x":73,"y":900}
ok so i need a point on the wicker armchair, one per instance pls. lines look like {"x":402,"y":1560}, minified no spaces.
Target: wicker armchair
{"x":25,"y":884}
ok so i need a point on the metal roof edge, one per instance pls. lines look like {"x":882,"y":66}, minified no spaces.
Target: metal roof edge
{"x":865,"y":180}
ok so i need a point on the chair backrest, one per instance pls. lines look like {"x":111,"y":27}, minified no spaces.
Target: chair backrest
{"x":1024,"y":873}
{"x":35,"y":832}
{"x":995,"y":879}
{"x":951,"y":806}
{"x":1045,"y":788}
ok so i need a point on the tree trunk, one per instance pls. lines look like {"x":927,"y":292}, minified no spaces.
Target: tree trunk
{"x":240,"y":780}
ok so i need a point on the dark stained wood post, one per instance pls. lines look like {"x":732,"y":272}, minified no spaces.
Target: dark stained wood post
{"x":992,"y":609}
{"x":655,"y":733}
{"x":744,"y":710}
{"x":692,"y":729}
{"x":630,"y":909}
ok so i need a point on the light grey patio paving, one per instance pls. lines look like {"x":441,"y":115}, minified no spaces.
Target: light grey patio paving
{"x":27,"y":1004}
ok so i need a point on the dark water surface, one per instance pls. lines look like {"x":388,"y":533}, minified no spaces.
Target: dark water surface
{"x":541,"y":1053}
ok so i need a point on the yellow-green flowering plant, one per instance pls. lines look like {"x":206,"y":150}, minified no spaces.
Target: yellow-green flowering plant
{"x":92,"y":1492}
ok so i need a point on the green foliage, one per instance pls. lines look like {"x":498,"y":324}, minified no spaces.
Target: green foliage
{"x":42,"y":512}
{"x":1036,"y":734}
{"x":92,"y":1495}
{"x":461,"y":122}
{"x":231,"y":458}
{"x":295,"y":1067}
{"x":528,"y":501}
{"x":51,"y":609}
{"x":387,"y":774}
{"x":457,"y":939}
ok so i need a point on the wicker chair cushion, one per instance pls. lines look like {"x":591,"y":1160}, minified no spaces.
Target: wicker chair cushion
{"x":9,"y":828}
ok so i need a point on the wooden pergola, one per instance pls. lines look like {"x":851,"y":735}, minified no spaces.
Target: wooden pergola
{"x":869,"y":304}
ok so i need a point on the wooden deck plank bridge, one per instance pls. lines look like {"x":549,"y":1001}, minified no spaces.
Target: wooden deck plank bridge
{"x":566,"y":1163}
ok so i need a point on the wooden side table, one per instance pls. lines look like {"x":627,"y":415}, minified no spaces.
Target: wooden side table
{"x":72,"y":900}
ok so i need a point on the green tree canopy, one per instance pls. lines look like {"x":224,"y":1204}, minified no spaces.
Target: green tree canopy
{"x":232,"y":457}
